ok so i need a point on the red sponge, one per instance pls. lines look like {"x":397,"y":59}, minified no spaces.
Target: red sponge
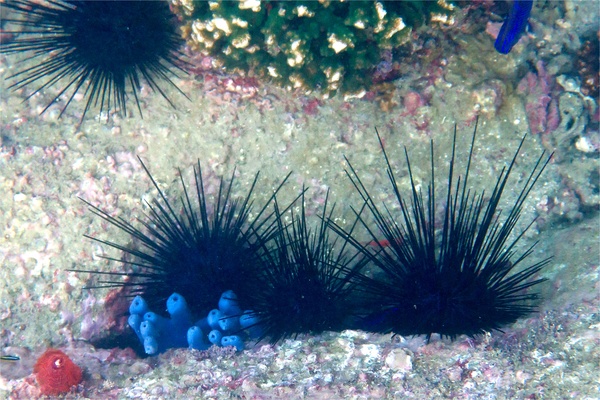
{"x":56,"y":373}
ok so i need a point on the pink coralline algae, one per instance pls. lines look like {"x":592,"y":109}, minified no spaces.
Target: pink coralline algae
{"x":541,"y":108}
{"x":311,"y":106}
{"x":412,"y":101}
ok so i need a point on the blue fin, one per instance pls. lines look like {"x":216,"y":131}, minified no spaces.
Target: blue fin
{"x":514,"y":25}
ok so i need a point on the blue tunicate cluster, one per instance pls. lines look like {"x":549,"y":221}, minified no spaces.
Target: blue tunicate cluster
{"x":224,"y":326}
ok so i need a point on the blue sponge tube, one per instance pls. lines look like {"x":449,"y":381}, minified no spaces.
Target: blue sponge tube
{"x":233,"y":340}
{"x":151,"y":346}
{"x":250,"y":322}
{"x":178,"y":310}
{"x":148,"y":329}
{"x":229,"y":324}
{"x":134,"y":321}
{"x":159,"y":322}
{"x":213,"y":318}
{"x":138,"y":306}
{"x":195,"y":338}
{"x":215,"y":337}
{"x":228,"y":303}
{"x":158,"y":333}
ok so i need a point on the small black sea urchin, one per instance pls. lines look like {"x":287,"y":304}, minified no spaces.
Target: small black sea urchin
{"x":99,"y":47}
{"x":306,"y":283}
{"x":198,"y":252}
{"x":458,"y":278}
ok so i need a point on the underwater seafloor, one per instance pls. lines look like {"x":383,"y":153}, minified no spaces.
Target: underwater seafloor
{"x":47,"y":164}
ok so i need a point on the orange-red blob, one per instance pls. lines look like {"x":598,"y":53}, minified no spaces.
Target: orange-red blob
{"x":56,"y":373}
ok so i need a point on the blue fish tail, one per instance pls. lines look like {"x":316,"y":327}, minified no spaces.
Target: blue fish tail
{"x":514,"y":25}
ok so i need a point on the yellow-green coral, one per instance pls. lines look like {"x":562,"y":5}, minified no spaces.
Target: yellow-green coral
{"x":327,"y":46}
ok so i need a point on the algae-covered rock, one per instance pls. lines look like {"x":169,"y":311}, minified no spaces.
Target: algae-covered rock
{"x":576,"y":149}
{"x":328,"y":46}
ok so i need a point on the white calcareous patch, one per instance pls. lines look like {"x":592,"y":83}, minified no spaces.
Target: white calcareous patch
{"x":398,"y":360}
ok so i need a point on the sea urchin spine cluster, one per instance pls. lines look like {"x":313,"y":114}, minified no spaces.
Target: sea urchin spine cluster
{"x":457,"y":278}
{"x":100,"y":48}
{"x":453,"y":280}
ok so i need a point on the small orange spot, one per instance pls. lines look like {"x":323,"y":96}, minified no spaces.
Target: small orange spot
{"x":383,"y":243}
{"x":56,"y":373}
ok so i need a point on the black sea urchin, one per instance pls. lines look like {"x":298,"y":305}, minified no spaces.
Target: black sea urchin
{"x":99,"y":47}
{"x":306,"y":282}
{"x":458,"y":279}
{"x":198,"y":253}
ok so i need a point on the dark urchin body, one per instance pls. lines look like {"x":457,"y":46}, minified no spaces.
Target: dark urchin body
{"x":458,"y":279}
{"x":96,"y":47}
{"x":306,"y":283}
{"x":197,"y":251}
